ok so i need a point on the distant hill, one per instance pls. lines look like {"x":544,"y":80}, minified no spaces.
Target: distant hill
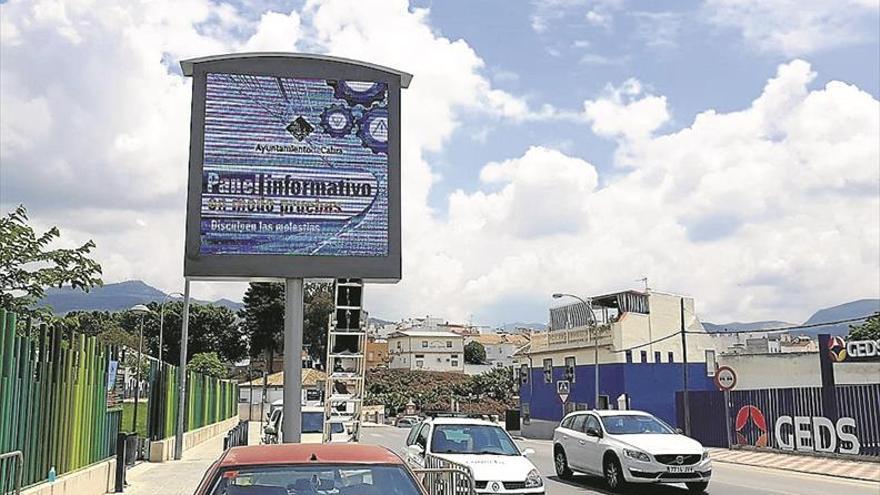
{"x":112,"y":297}
{"x":841,"y":312}
{"x":736,"y":325}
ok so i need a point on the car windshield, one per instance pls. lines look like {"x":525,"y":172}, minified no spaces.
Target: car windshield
{"x":325,"y":479}
{"x":630,"y":424}
{"x":313,"y":422}
{"x":472,"y":439}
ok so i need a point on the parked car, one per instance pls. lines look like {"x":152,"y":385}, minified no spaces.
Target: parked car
{"x":629,"y":447}
{"x":407,"y":421}
{"x":286,"y":469}
{"x":312,"y":427}
{"x":497,"y":464}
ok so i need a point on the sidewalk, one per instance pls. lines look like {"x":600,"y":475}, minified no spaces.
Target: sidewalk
{"x":842,"y":468}
{"x":183,"y":476}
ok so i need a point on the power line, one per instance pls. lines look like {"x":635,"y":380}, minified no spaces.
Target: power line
{"x":784,"y":329}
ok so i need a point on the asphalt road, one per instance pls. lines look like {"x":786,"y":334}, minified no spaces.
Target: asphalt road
{"x":727,"y":479}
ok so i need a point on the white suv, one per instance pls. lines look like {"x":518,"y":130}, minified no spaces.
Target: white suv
{"x":629,"y":447}
{"x":497,"y":464}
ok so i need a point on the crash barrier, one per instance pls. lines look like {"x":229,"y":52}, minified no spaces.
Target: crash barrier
{"x":443,"y":477}
{"x":53,"y":400}
{"x":12,"y":463}
{"x":209,"y":400}
{"x":789,"y":419}
{"x":237,"y":436}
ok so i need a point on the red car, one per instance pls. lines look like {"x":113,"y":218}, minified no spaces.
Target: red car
{"x":309,"y":469}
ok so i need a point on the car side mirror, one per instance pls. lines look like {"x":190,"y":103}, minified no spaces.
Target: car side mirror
{"x":679,"y":431}
{"x":594,"y":432}
{"x":528,"y":452}
{"x":415,"y":450}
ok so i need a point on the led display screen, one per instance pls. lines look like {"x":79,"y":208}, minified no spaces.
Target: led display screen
{"x":294,"y":166}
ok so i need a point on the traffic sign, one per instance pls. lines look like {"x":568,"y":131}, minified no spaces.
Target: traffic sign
{"x":563,"y":388}
{"x":725,"y":378}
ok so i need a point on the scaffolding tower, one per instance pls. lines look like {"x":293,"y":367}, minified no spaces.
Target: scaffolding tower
{"x":346,"y":361}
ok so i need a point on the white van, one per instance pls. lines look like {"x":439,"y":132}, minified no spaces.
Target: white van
{"x":312,"y":427}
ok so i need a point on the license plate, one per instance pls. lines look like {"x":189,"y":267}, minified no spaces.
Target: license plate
{"x":679,"y":469}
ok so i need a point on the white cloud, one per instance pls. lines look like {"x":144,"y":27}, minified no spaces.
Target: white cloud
{"x":94,"y":137}
{"x":797,"y":27}
{"x":766,"y":212}
{"x":625,"y":111}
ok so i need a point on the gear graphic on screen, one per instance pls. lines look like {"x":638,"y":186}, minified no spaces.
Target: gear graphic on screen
{"x":337,"y":121}
{"x":359,"y":92}
{"x":373,"y":129}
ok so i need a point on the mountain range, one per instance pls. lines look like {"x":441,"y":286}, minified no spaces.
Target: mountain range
{"x":113,"y":297}
{"x":852,"y":309}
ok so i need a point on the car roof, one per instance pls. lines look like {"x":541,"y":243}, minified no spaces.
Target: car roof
{"x":459,"y":421}
{"x":298,"y":453}
{"x":613,"y":412}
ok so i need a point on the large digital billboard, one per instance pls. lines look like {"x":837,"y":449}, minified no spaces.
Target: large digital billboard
{"x":294,"y":168}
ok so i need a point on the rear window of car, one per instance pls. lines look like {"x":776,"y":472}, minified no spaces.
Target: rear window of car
{"x":321,"y":479}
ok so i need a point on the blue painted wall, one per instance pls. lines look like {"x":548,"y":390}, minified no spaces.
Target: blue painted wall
{"x":650,"y":386}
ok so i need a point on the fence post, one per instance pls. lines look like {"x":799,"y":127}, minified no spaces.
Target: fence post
{"x":727,"y":418}
{"x":120,"y":462}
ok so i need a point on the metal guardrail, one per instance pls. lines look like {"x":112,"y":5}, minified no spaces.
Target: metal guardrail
{"x":443,"y":477}
{"x":237,"y":436}
{"x":19,"y":467}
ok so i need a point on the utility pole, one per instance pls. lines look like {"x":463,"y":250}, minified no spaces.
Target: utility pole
{"x":684,"y":356}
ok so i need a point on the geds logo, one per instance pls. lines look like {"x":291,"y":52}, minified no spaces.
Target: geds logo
{"x":855,"y":350}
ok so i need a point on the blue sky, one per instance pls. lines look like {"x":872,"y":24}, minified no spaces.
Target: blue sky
{"x":696,"y":64}
{"x":726,"y":149}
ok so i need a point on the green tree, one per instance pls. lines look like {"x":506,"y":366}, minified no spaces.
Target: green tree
{"x":211,"y":328}
{"x":262,"y":318}
{"x":868,"y":330}
{"x":474,"y":353}
{"x":318,"y":306}
{"x":28,"y":265}
{"x":207,"y":363}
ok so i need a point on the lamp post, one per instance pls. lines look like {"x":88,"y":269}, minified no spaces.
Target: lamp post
{"x":589,"y":303}
{"x":162,"y":319}
{"x":141,"y":310}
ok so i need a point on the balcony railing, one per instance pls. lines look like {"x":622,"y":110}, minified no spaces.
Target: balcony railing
{"x":575,"y":337}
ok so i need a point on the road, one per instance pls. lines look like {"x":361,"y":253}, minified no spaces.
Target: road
{"x":727,"y":479}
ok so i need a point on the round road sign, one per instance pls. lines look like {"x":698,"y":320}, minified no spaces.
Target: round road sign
{"x":725,"y":378}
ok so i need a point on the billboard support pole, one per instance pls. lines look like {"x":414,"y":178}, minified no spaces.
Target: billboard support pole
{"x":181,"y":402}
{"x":291,"y":422}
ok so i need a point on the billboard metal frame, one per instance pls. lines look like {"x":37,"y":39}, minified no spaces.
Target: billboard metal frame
{"x":278,"y":267}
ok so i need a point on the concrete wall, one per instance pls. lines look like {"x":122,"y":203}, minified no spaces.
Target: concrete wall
{"x":163,"y":450}
{"x":782,"y":370}
{"x":96,"y":479}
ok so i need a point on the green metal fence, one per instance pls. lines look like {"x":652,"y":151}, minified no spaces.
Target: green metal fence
{"x":53,"y":401}
{"x":208,"y":400}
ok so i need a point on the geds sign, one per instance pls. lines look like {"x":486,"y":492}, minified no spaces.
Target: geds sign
{"x":294,"y":168}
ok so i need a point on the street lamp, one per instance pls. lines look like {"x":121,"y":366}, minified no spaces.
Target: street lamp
{"x":162,"y":319}
{"x":589,"y":304}
{"x":141,"y":310}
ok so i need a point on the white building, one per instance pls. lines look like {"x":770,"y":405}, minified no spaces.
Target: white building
{"x":499,"y":346}
{"x":426,"y":350}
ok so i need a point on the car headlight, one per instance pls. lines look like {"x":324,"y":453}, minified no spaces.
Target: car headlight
{"x":637,"y":455}
{"x":534,"y":479}
{"x":705,"y":455}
